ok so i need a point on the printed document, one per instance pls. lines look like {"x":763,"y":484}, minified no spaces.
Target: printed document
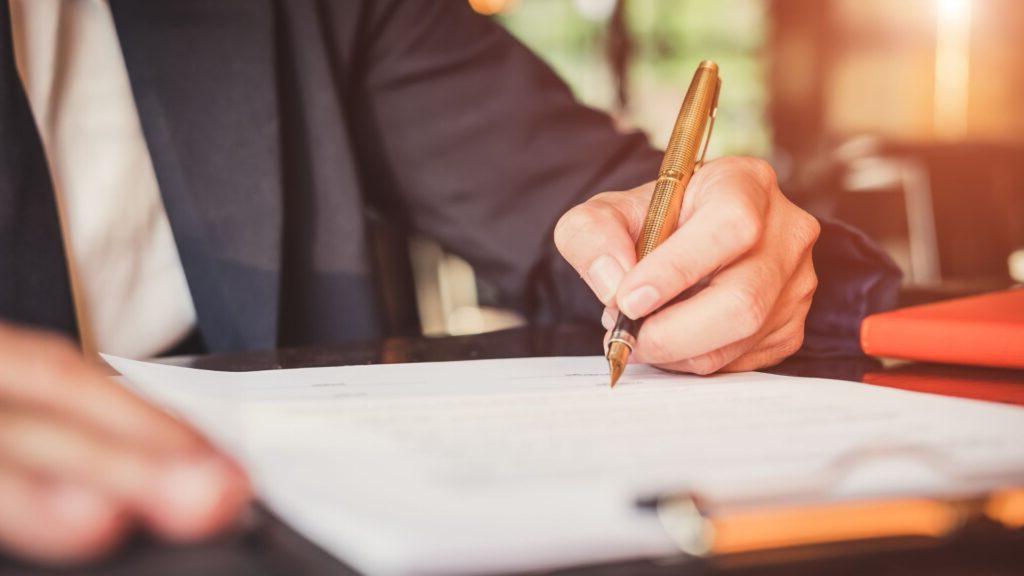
{"x":524,"y":464}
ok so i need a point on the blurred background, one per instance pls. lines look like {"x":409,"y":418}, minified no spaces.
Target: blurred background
{"x":904,"y":118}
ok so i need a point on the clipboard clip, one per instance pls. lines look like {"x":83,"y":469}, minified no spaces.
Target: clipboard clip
{"x":802,"y":525}
{"x":702,"y":531}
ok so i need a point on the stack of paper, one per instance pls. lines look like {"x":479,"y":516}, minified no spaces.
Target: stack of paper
{"x":506,"y":465}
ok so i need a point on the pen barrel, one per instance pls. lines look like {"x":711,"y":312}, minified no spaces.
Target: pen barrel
{"x":662,"y":214}
{"x":680,"y":159}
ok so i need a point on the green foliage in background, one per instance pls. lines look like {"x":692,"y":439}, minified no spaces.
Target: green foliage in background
{"x":671,"y":37}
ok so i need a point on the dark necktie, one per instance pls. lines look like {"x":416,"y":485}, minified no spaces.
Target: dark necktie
{"x":34,"y":285}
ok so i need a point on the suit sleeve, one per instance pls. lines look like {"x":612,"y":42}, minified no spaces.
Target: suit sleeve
{"x":477,"y":143}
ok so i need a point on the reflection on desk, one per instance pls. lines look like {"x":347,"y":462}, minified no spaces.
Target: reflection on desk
{"x":990,"y":384}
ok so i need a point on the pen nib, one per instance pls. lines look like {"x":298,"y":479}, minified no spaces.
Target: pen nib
{"x":617,"y":354}
{"x":616,"y":370}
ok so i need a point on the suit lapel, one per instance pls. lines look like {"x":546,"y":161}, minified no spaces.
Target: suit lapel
{"x":34,"y":285}
{"x":204,"y":78}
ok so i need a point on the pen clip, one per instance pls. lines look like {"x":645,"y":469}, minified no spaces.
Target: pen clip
{"x":712,"y":114}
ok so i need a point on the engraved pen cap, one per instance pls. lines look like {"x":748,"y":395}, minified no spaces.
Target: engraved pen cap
{"x":696,"y":116}
{"x":694,"y":124}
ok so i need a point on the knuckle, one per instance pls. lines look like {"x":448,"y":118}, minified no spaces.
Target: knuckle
{"x":814,"y":227}
{"x":749,"y":310}
{"x":807,"y":229}
{"x":574,"y":222}
{"x":758,"y":169}
{"x":812,"y":286}
{"x":762,"y":170}
{"x":792,"y":344}
{"x":741,"y":226}
{"x":808,"y":285}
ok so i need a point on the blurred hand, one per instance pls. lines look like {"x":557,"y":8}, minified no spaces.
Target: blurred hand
{"x":82,"y":460}
{"x":737,"y":230}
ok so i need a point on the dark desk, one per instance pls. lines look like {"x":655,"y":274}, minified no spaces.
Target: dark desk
{"x":267,"y":547}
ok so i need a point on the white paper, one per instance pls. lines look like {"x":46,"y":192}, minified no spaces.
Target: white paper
{"x":523,"y":464}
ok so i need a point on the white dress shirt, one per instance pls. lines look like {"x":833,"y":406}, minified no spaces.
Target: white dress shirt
{"x":130,"y":292}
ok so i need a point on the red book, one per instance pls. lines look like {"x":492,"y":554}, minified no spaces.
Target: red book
{"x":986,"y":330}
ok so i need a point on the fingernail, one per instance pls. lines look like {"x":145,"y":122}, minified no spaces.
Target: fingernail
{"x":191,"y":492}
{"x":604,"y":275}
{"x":639,"y":302}
{"x":607,"y":320}
{"x":195,"y":485}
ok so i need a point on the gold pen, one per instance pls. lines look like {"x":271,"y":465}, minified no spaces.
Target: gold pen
{"x":681,"y":160}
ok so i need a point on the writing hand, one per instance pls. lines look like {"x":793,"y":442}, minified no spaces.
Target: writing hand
{"x":737,"y":230}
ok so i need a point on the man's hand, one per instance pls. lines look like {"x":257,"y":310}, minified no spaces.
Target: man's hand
{"x":738,"y":231}
{"x":82,"y":460}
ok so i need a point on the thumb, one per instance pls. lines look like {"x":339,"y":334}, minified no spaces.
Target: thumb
{"x":598,"y":237}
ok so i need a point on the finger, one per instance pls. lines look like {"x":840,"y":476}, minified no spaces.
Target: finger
{"x":597,"y":238}
{"x":782,"y":332}
{"x":781,"y":336}
{"x":40,"y":369}
{"x":739,"y":300}
{"x":609,"y":317}
{"x":46,"y":445}
{"x":751,"y":354}
{"x":734,"y":307}
{"x":182,"y":498}
{"x":197,"y":499}
{"x":727,"y":221}
{"x":57,"y":523}
{"x":773,"y":349}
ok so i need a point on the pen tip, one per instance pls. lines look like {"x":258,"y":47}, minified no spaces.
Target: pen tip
{"x":618,"y":355}
{"x":616,"y":368}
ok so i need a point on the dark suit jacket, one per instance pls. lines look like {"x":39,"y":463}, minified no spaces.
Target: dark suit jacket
{"x":276,"y":126}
